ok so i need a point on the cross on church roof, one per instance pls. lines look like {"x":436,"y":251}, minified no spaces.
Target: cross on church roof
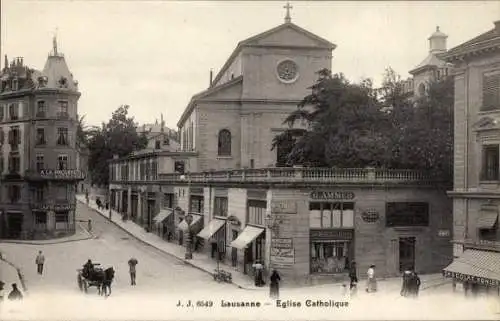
{"x":287,"y":17}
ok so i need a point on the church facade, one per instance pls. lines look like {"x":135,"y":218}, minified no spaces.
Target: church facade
{"x":226,"y":196}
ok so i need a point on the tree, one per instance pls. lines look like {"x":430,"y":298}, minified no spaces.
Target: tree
{"x":342,"y":122}
{"x":117,"y":137}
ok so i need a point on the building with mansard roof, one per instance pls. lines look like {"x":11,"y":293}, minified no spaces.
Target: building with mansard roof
{"x":38,"y":154}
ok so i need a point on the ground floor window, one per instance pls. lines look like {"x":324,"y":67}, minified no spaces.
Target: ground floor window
{"x":40,"y":219}
{"x":62,"y":219}
{"x":330,"y":256}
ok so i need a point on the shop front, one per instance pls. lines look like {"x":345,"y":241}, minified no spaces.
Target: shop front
{"x":134,"y":205}
{"x":163,"y":224}
{"x":475,"y":272}
{"x":252,"y":242}
{"x":332,"y":250}
{"x":214,"y":233}
{"x":186,"y":230}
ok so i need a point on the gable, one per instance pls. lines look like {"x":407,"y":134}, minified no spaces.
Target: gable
{"x":232,"y":92}
{"x":288,"y":35}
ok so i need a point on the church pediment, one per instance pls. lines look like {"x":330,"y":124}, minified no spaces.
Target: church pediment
{"x":487,"y":123}
{"x":229,"y":90}
{"x":289,"y":34}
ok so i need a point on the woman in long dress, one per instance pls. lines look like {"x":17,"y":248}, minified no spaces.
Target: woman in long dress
{"x":274,"y":286}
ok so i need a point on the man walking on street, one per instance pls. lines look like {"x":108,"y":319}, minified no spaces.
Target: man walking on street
{"x":40,"y":260}
{"x":131,"y":264}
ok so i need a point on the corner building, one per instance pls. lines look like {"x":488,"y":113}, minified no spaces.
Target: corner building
{"x":38,"y":163}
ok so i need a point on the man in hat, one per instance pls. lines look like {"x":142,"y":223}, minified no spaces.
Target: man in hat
{"x":15,"y":294}
{"x":372,"y":281}
{"x":40,"y":261}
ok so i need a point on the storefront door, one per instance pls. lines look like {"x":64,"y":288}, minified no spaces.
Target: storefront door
{"x":14,"y":225}
{"x":234,"y":251}
{"x":406,"y":253}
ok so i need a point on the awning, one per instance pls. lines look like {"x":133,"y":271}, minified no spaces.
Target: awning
{"x":487,"y":219}
{"x":246,"y":237}
{"x":477,"y":266}
{"x":162,"y":216}
{"x":184,"y":226}
{"x":211,"y":229}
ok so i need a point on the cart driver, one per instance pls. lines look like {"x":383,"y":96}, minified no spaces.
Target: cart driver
{"x":88,"y":269}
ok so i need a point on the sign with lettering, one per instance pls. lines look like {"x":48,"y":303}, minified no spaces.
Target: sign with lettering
{"x":282,"y":257}
{"x":62,"y":173}
{"x":443,"y":233}
{"x":62,"y":207}
{"x":331,"y":234}
{"x":471,"y":278}
{"x":370,"y":216}
{"x":40,"y":207}
{"x":284,"y":207}
{"x":330,"y":195}
{"x":282,"y":243}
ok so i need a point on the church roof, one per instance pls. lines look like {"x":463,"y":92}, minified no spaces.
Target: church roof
{"x":489,"y":40}
{"x":253,"y":41}
{"x":58,"y":75}
{"x":430,"y":61}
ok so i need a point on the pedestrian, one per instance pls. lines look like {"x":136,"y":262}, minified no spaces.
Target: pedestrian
{"x":416,"y":284}
{"x":89,"y":224}
{"x":2,"y":284}
{"x":274,"y":286}
{"x":15,"y":294}
{"x":131,"y":268}
{"x":258,"y":278}
{"x":87,"y":196}
{"x":353,"y":275}
{"x":371,"y":285}
{"x":40,"y":261}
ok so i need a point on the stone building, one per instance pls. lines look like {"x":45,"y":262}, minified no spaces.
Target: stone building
{"x":310,"y":223}
{"x":38,"y":112}
{"x":476,"y":193}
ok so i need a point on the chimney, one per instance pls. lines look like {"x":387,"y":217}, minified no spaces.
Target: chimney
{"x":211,"y":77}
{"x":497,"y":25}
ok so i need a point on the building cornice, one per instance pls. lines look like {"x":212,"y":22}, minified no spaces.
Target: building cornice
{"x":474,"y":194}
{"x":153,"y":154}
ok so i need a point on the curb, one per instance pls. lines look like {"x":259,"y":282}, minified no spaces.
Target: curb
{"x":187,"y":262}
{"x":88,"y":237}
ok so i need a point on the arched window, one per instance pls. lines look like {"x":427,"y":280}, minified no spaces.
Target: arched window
{"x":224,"y":143}
{"x":421,"y":89}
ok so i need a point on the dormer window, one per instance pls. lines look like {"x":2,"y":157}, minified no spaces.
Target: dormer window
{"x":15,"y":84}
{"x":63,"y":82}
{"x":157,"y":144}
{"x":42,"y":81}
{"x":166,"y":141}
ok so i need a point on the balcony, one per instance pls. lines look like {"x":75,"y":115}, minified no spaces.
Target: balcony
{"x":304,"y":176}
{"x":57,"y":206}
{"x":62,"y":115}
{"x":55,"y":175}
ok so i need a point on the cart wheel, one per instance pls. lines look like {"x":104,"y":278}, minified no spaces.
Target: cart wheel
{"x":85,"y":286}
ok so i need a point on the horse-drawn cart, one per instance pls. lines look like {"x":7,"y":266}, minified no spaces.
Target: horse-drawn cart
{"x":85,"y":282}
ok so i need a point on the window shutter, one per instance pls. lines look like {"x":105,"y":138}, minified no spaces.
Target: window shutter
{"x":491,"y":92}
{"x":2,"y":136}
{"x":19,"y":137}
{"x":11,"y":136}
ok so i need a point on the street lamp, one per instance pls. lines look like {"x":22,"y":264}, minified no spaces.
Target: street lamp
{"x":189,"y":220}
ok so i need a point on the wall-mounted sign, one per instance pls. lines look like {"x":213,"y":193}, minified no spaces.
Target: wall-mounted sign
{"x":62,"y":173}
{"x":282,"y":257}
{"x":331,"y":234}
{"x":329,"y":195}
{"x":40,"y":207}
{"x":282,"y":243}
{"x":233,"y":220}
{"x":370,"y":216}
{"x":471,"y":278}
{"x":443,"y":233}
{"x":284,"y":207}
{"x":62,"y":207}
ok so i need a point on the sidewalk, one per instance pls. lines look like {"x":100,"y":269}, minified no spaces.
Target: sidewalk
{"x":81,"y":234}
{"x":204,"y":263}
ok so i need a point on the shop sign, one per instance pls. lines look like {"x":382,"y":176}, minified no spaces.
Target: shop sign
{"x":471,"y":278}
{"x":333,"y":234}
{"x":62,"y":173}
{"x":40,"y":207}
{"x":282,"y":257}
{"x":62,"y":207}
{"x":443,"y":233}
{"x":284,"y":207}
{"x":282,"y":243}
{"x":328,"y":195}
{"x":370,"y":216}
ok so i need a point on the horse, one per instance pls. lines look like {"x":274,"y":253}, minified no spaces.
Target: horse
{"x":105,"y":280}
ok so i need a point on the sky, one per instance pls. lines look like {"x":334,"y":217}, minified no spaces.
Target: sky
{"x":155,"y":55}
